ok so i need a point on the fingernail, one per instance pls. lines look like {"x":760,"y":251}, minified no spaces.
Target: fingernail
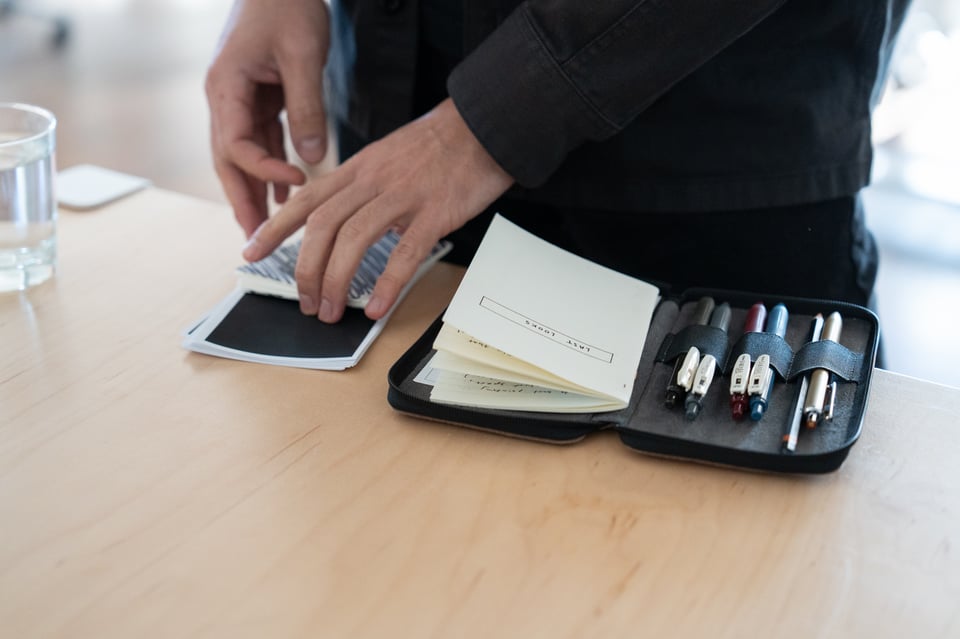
{"x":326,"y":311}
{"x":251,"y":250}
{"x":308,"y":305}
{"x":311,"y":149}
{"x":376,"y":306}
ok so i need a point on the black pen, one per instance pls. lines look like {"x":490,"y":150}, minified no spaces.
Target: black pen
{"x":708,"y":366}
{"x":686,"y":366}
{"x":790,"y":438}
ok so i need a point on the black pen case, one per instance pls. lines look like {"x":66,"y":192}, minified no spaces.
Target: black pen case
{"x":647,"y":425}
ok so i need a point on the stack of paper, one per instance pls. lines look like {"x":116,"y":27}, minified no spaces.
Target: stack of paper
{"x":261,"y":320}
{"x":533,"y":327}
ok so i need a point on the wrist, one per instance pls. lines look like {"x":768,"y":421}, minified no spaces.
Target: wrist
{"x":458,"y":135}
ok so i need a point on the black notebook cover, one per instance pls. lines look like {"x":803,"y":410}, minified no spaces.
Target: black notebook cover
{"x":276,"y":327}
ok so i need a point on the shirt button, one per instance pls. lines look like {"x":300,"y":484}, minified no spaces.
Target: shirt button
{"x":391,"y":6}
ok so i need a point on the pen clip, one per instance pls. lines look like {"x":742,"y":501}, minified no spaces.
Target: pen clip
{"x":740,"y":374}
{"x":704,"y":375}
{"x":828,"y":402}
{"x":760,"y":376}
{"x":689,"y":368}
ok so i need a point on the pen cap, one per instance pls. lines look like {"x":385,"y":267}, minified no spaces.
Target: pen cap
{"x":756,"y":317}
{"x":832,"y":327}
{"x":777,"y":320}
{"x":720,"y":318}
{"x":701,"y":315}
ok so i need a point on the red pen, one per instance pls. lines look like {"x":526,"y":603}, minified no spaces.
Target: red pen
{"x":739,"y":401}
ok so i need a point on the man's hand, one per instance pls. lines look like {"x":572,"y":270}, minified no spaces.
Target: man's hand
{"x":426,"y":179}
{"x":271,"y":57}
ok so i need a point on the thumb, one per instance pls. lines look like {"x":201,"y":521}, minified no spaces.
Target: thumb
{"x":306,"y":115}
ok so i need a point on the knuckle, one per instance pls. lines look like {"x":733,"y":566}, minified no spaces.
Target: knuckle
{"x":210,"y":82}
{"x":352,"y":231}
{"x":305,"y":50}
{"x":412,"y":247}
{"x":302,"y":110}
{"x":331,"y":283}
{"x":306,"y":277}
{"x":390,"y":281}
{"x":407,"y":250}
{"x":315,"y":222}
{"x":213,"y":81}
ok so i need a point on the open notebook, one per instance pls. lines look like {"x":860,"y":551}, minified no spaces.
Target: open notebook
{"x":533,"y":327}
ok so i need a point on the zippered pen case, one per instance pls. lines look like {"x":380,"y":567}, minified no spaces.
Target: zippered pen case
{"x":648,"y":425}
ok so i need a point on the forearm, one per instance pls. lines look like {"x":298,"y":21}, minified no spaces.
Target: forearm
{"x":558,"y":73}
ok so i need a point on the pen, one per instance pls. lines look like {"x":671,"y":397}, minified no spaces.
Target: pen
{"x":741,"y":368}
{"x":720,"y":318}
{"x":688,"y":369}
{"x":813,"y":405}
{"x":790,"y":439}
{"x":676,"y":389}
{"x":760,"y":398}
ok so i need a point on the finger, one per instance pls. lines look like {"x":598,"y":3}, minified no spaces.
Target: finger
{"x":353,"y":239}
{"x":294,"y":213}
{"x":248,"y":202}
{"x":303,"y":90}
{"x":321,"y":231}
{"x":239,"y":137}
{"x":314,"y":252}
{"x":414,"y":246}
{"x":274,"y":137}
{"x":258,"y":162}
{"x":248,"y":211}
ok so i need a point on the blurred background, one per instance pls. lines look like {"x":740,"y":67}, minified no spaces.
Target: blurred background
{"x":125,"y":78}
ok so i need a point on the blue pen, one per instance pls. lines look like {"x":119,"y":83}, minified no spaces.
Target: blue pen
{"x":777,"y":324}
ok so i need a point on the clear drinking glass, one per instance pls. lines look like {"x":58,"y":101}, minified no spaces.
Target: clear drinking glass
{"x":28,"y":208}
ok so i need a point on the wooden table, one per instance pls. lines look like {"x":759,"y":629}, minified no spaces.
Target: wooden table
{"x":150,"y":492}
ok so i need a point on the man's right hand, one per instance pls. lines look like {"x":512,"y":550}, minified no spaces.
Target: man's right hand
{"x":270,"y":58}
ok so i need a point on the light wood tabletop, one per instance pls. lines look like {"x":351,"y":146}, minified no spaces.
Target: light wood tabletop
{"x":146,"y":491}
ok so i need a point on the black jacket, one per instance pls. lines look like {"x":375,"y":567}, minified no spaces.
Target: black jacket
{"x":639,"y":105}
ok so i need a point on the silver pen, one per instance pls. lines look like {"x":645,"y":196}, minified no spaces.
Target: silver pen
{"x":790,"y":438}
{"x":815,"y":406}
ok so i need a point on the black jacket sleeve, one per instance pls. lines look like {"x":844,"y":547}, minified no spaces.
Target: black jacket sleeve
{"x":557,"y":73}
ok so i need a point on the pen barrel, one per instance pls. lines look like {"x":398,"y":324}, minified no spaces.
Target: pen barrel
{"x":701,"y":315}
{"x":759,"y":403}
{"x":832,"y":327}
{"x":675,"y":393}
{"x":739,"y":403}
{"x":817,"y":391}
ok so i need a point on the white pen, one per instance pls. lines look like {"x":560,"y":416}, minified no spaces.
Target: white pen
{"x":701,"y":383}
{"x":759,"y":386}
{"x":720,"y":319}
{"x":675,"y":391}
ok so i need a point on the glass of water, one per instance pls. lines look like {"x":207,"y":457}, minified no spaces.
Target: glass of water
{"x":28,"y":208}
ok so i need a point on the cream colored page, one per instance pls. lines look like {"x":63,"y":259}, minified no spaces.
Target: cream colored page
{"x":581,"y":321}
{"x":468,"y":355}
{"x":452,"y":363}
{"x":474,"y":391}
